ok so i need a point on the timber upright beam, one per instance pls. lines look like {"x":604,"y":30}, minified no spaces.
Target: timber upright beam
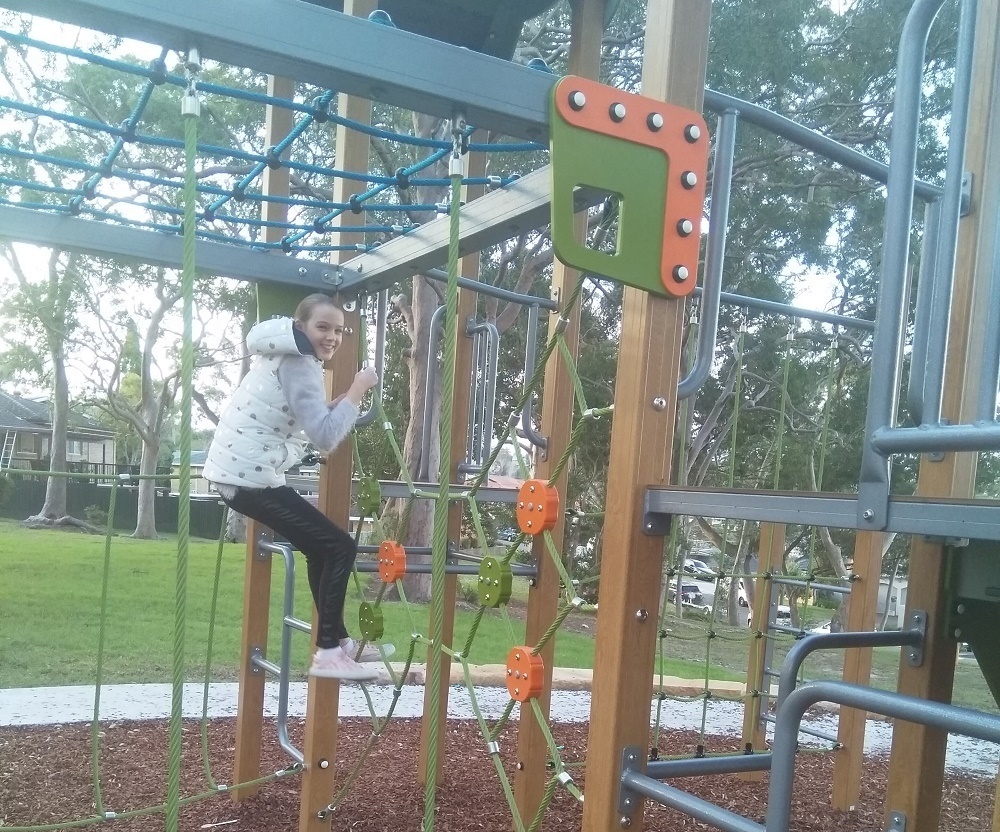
{"x":916,"y":765}
{"x":557,"y":405}
{"x":771,"y":553}
{"x":676,"y":51}
{"x":849,"y":758}
{"x":455,"y":448}
{"x":257,"y":581}
{"x":323,"y":699}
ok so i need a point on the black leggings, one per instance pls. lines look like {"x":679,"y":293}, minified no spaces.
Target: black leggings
{"x":329,"y":550}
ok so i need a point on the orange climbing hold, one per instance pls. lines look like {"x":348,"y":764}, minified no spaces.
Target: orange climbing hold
{"x":391,"y":561}
{"x":525,"y":674}
{"x":537,"y":507}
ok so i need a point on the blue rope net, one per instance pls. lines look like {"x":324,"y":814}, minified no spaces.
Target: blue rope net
{"x":133,"y":178}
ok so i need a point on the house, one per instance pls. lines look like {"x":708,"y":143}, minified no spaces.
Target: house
{"x":26,"y":429}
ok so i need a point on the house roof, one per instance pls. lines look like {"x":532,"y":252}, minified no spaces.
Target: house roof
{"x":20,"y":413}
{"x":197,"y":458}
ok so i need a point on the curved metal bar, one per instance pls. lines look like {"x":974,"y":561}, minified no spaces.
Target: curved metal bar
{"x":948,"y":718}
{"x":284,"y":661}
{"x":441,"y":276}
{"x":489,"y":412}
{"x":809,"y":139}
{"x":803,"y":648}
{"x":478,"y":347}
{"x":951,"y":209}
{"x":381,"y":322}
{"x":715,"y":253}
{"x":884,"y":385}
{"x":731,"y":299}
{"x":436,"y":329}
{"x":532,"y":435}
{"x":922,"y":312}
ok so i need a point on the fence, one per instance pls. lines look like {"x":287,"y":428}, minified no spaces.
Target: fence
{"x":27,"y":497}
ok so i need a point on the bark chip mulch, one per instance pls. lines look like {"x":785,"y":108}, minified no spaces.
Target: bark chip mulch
{"x":45,"y":778}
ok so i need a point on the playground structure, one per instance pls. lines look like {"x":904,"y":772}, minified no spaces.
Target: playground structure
{"x":946,"y":577}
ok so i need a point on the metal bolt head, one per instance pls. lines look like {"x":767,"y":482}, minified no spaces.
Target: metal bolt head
{"x":324,"y":763}
{"x":625,"y":821}
{"x":681,"y":273}
{"x":958,"y":633}
{"x":654,"y":121}
{"x":617,"y":112}
{"x":520,"y":766}
{"x":689,"y":179}
{"x":692,"y":133}
{"x":685,"y":227}
{"x":303,"y":270}
{"x":868,"y":514}
{"x":659,"y":403}
{"x":960,"y":609}
{"x":577,"y":100}
{"x":641,"y":615}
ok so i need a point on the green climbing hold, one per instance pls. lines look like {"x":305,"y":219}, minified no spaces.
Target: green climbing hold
{"x":495,"y":580}
{"x":371,"y":621}
{"x":369,"y":496}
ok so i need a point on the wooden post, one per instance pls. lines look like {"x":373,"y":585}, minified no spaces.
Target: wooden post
{"x":250,"y":705}
{"x":641,"y":447}
{"x":557,"y":402}
{"x":769,"y":557}
{"x":916,"y":765}
{"x":323,"y":698}
{"x":257,"y":580}
{"x":848,"y":759}
{"x":467,"y":301}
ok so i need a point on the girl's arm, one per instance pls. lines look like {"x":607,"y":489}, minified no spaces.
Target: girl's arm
{"x":325,"y":423}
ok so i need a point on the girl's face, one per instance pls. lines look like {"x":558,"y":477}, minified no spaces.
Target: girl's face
{"x":325,"y":330}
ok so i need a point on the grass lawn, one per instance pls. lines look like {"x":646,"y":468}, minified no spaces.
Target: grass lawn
{"x":50,"y":613}
{"x":50,"y":617}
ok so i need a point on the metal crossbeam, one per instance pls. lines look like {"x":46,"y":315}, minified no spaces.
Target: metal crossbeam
{"x":978,"y":520}
{"x":103,"y":239}
{"x":332,"y":50}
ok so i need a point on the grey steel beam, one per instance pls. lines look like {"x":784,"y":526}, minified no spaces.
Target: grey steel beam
{"x":516,"y":209}
{"x":397,"y":489}
{"x":334,"y":51}
{"x":103,"y":239}
{"x":978,"y":519}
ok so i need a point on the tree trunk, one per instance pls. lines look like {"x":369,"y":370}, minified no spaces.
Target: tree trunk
{"x":145,"y":524}
{"x":55,"y":489}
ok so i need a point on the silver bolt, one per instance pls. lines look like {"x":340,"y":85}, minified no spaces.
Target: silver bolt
{"x":654,"y":122}
{"x":868,"y":514}
{"x":689,"y":179}
{"x":960,"y":609}
{"x":659,"y":403}
{"x":625,"y":821}
{"x":681,"y":273}
{"x":324,"y":763}
{"x":627,"y":801}
{"x":685,"y":227}
{"x":692,"y":133}
{"x":617,"y":112}
{"x":958,"y":633}
{"x":577,"y":100}
{"x":303,"y":271}
{"x":520,"y":766}
{"x":641,"y":615}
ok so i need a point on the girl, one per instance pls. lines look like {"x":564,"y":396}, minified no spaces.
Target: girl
{"x":262,"y":433}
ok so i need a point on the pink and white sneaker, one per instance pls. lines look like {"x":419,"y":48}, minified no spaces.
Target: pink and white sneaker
{"x":334,"y":663}
{"x":368,"y":653}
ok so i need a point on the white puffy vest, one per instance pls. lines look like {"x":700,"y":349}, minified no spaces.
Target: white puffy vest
{"x":257,"y":439}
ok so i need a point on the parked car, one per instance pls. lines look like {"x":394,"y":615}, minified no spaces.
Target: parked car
{"x":690,"y":594}
{"x":699,"y":569}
